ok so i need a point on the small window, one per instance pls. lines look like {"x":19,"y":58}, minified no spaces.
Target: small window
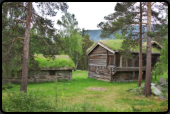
{"x":52,"y":72}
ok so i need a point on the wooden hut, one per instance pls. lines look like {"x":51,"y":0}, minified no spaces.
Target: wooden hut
{"x":60,"y":68}
{"x":106,"y":63}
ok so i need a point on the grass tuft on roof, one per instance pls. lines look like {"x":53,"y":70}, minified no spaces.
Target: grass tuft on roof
{"x":116,"y":45}
{"x":60,"y":61}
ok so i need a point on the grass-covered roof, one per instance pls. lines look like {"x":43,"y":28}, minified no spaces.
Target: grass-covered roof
{"x":116,"y":45}
{"x":60,"y":61}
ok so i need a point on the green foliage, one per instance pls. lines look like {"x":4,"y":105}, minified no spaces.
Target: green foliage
{"x":119,"y":36}
{"x":118,"y":43}
{"x":162,"y":66}
{"x":86,"y":43}
{"x":7,"y":86}
{"x":150,"y":34}
{"x":26,"y":102}
{"x":70,"y":37}
{"x":59,"y":62}
{"x":13,"y":33}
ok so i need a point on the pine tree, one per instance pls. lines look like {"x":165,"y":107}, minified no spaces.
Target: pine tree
{"x":126,"y":15}
{"x":28,"y":17}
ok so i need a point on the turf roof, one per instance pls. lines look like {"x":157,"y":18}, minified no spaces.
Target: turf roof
{"x":116,"y":45}
{"x":60,"y":61}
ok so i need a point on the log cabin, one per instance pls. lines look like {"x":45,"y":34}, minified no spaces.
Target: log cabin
{"x":49,"y":70}
{"x":106,"y":63}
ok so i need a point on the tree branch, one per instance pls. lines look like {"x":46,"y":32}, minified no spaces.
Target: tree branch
{"x":14,"y":39}
{"x":42,"y":38}
{"x":20,"y":20}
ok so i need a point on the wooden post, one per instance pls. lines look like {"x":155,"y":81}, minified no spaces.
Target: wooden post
{"x":115,"y":59}
{"x":106,"y":58}
{"x":133,"y":75}
{"x":126,"y":63}
{"x":120,"y":61}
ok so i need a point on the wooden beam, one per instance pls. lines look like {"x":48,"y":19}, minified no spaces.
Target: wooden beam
{"x":133,"y":75}
{"x":115,"y":59}
{"x":107,"y":59}
{"x":120,"y":60}
{"x":126,"y":63}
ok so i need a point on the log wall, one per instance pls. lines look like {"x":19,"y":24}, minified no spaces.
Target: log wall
{"x":101,"y":72}
{"x":98,"y":56}
{"x":127,"y":75}
{"x":41,"y":76}
{"x":102,"y":64}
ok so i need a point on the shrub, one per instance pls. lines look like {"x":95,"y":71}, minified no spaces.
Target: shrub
{"x":7,"y":86}
{"x":25,"y":102}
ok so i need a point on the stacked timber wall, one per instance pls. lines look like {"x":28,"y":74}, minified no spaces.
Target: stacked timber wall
{"x":97,"y":64}
{"x":127,"y":75}
{"x":42,"y":76}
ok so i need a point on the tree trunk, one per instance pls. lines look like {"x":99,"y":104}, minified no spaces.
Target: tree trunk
{"x":26,"y":50}
{"x":167,"y":77}
{"x":140,"y":47}
{"x":148,"y":62}
{"x":84,"y":63}
{"x":77,"y":61}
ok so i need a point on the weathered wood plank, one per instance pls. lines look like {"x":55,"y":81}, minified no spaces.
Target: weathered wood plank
{"x":97,"y":59}
{"x":100,"y":57}
{"x":129,"y":68}
{"x":120,"y":61}
{"x":99,"y":76}
{"x":97,"y":54}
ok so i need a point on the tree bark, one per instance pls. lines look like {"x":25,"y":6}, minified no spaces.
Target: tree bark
{"x":148,"y":63}
{"x":77,"y":60}
{"x":84,"y":63}
{"x":140,"y":47}
{"x":167,"y":77}
{"x":26,"y":50}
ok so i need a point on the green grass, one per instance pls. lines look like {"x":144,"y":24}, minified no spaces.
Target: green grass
{"x":60,"y":61}
{"x":116,"y":45}
{"x":75,"y":96}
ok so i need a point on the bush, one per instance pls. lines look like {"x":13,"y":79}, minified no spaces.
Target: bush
{"x":7,"y":86}
{"x":25,"y":102}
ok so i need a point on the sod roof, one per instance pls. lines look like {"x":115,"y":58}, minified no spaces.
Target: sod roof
{"x":116,"y":46}
{"x":62,"y":62}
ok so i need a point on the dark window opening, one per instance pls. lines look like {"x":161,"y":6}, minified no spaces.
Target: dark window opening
{"x":52,"y":72}
{"x":153,"y":61}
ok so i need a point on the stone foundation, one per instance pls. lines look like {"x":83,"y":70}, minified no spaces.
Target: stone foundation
{"x":42,"y":76}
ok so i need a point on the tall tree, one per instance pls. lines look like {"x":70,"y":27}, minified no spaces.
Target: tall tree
{"x":140,"y":47}
{"x":87,"y":42}
{"x":162,"y":66}
{"x":71,"y":38}
{"x":125,"y":16}
{"x":44,"y":26}
{"x":26,"y":50}
{"x":148,"y":60}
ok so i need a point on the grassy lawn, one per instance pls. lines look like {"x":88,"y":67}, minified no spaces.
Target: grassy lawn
{"x":79,"y":94}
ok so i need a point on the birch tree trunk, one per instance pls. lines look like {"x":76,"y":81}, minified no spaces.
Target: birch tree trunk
{"x":77,"y":61}
{"x":26,"y":50}
{"x":148,"y":62}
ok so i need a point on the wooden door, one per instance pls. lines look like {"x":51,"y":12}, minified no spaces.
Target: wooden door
{"x":111,"y":59}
